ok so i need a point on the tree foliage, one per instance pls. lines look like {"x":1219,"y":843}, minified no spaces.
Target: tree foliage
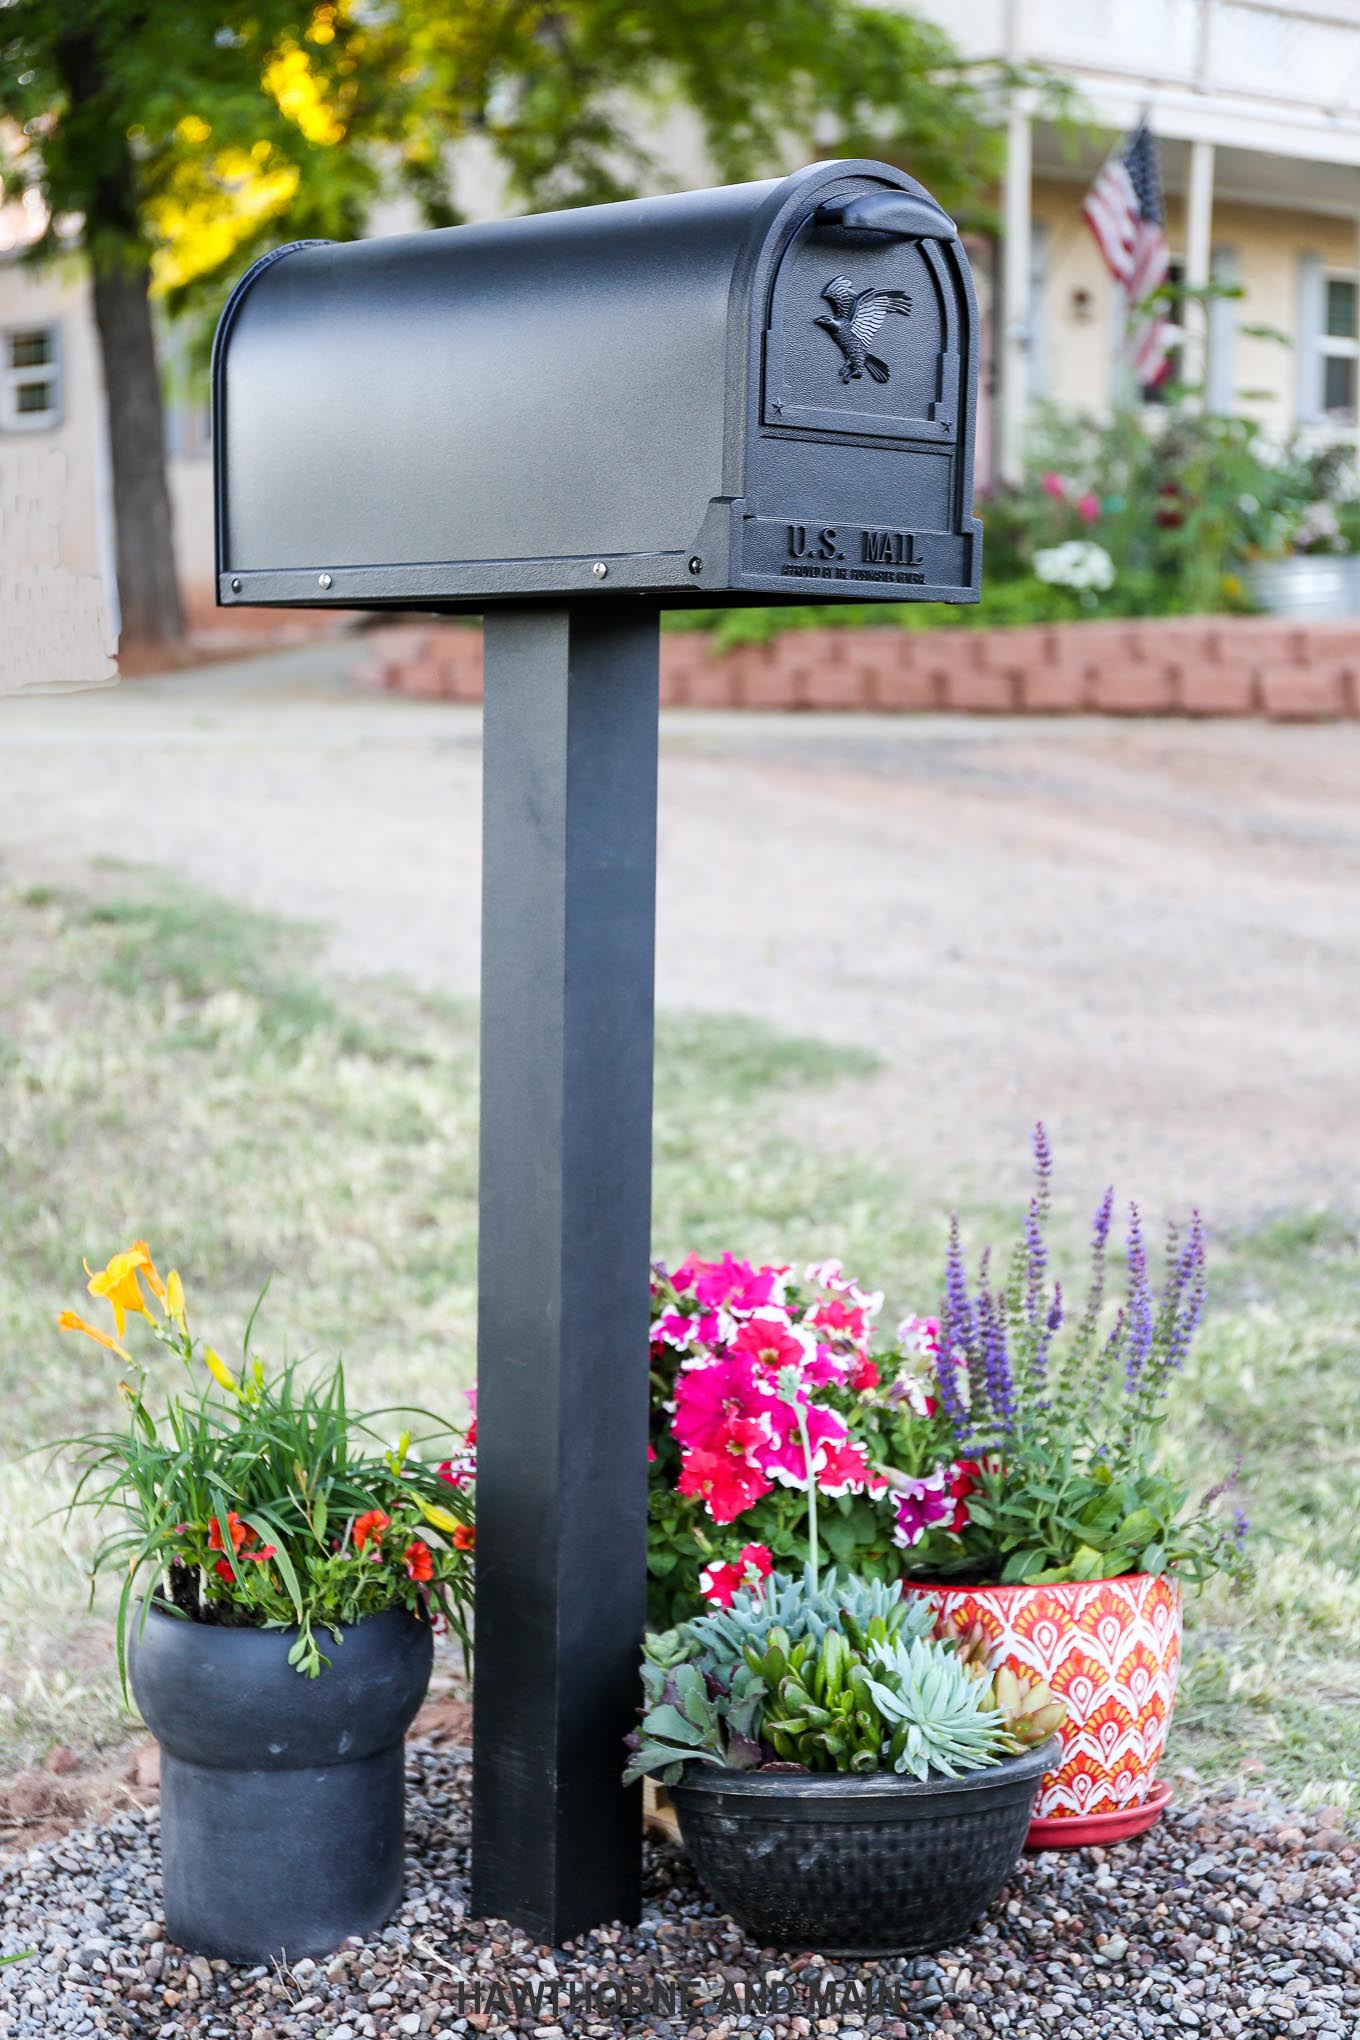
{"x":189,"y":137}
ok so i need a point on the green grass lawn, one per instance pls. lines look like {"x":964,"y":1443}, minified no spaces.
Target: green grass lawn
{"x":175,"y":1069}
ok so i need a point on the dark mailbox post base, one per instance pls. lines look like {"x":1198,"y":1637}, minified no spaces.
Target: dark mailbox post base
{"x":567,"y":980}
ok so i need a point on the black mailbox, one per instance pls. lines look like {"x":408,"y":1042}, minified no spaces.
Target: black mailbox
{"x":760,"y":393}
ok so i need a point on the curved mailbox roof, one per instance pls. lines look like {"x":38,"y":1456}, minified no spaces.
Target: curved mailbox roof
{"x":762,"y":392}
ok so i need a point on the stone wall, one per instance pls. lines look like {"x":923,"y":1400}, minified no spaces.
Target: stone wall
{"x":1225,"y":665}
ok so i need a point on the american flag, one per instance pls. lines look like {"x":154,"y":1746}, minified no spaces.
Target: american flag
{"x":1124,"y":211}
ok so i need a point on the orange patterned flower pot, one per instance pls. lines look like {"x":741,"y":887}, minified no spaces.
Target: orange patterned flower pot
{"x":1110,"y":1649}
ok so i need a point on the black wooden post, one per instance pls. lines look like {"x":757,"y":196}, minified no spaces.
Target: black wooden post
{"x":568,"y":887}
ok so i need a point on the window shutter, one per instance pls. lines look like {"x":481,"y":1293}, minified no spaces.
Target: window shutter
{"x":1308,"y":339}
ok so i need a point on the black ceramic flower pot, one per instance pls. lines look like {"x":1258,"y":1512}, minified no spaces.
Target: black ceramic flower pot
{"x":282,"y":1797}
{"x":841,"y":1865}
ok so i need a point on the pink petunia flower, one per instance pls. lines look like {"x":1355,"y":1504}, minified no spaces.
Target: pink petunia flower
{"x":1088,"y":507}
{"x":845,"y":1470}
{"x":782,"y":1459}
{"x":920,"y":1505}
{"x":727,"y":1485}
{"x":963,"y":1478}
{"x":720,"y":1581}
{"x":1054,"y":486}
{"x":837,"y":1315}
{"x":772,"y":1343}
{"x":722,"y":1406}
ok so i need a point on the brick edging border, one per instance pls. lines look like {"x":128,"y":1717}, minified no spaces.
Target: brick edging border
{"x":1197,"y":666}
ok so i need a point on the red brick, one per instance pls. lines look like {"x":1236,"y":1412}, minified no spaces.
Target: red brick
{"x":1131,"y":687}
{"x":1267,"y":639}
{"x":1057,"y":687}
{"x":839,"y":683}
{"x":1331,"y":639}
{"x":1016,"y":649}
{"x":713,"y":680}
{"x":464,"y":673}
{"x":1171,"y":641}
{"x":1305,"y":693}
{"x":1217,"y":687}
{"x":899,"y":679}
{"x":767,"y":675}
{"x":973,"y":690}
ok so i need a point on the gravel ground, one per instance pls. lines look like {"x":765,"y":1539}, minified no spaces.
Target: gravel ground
{"x":1142,"y":932}
{"x":1230,"y":1918}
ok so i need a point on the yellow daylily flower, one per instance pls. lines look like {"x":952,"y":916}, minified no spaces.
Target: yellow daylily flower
{"x":174,"y":1298}
{"x":439,"y":1518}
{"x":149,"y":1275}
{"x":70,"y":1322}
{"x":119,"y":1287}
{"x":220,"y":1371}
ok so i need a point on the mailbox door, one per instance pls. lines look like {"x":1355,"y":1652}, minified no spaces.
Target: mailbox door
{"x":859,"y":467}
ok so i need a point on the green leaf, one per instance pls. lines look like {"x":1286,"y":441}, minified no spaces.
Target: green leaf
{"x":667,"y":1723}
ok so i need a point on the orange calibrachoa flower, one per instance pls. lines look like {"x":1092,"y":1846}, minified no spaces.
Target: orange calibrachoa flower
{"x":370,"y":1525}
{"x":69,"y":1321}
{"x":239,"y":1532}
{"x":464,"y":1538}
{"x":119,"y":1287}
{"x":419,"y":1561}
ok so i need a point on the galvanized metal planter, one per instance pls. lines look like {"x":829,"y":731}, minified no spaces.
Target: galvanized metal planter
{"x":1308,"y":585}
{"x":282,"y":1798}
{"x":857,"y":1866}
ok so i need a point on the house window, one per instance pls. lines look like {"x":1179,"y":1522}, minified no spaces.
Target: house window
{"x":1339,"y":348}
{"x":30,"y":383}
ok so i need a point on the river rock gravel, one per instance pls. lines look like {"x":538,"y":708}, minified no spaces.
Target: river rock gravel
{"x":1232,"y":1917}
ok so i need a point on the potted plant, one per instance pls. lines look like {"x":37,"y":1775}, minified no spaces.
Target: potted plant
{"x":283,"y":1573}
{"x":1035,"y":1514}
{"x":845,"y":1782}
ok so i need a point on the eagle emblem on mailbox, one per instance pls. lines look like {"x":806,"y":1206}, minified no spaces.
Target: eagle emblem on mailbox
{"x":859,"y":314}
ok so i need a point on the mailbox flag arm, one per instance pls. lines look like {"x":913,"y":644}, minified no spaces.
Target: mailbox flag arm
{"x":898,"y":215}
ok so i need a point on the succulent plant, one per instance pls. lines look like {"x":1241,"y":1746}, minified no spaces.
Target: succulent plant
{"x":1028,"y":1706}
{"x":820,"y":1713}
{"x":804,"y":1609}
{"x":969,"y":1642}
{"x":841,"y":1676}
{"x":684,"y":1722}
{"x":936,"y":1716}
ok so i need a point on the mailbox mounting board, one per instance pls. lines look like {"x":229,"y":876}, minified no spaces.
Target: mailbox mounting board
{"x":763,"y":393}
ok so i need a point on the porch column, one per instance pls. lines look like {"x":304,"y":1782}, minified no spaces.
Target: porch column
{"x":1199,"y":206}
{"x":1015,"y":292}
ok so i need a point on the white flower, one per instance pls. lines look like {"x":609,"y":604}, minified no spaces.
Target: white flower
{"x":1079,"y":564}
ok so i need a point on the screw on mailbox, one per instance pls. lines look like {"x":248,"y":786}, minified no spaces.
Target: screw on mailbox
{"x":678,"y":419}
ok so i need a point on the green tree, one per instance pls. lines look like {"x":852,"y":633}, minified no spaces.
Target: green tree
{"x":171,"y":142}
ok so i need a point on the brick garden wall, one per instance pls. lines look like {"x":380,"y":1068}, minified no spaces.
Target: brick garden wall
{"x":1160,"y":666}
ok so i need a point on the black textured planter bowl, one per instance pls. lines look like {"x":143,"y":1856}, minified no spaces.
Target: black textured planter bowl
{"x":282,"y":1798}
{"x":840,"y":1865}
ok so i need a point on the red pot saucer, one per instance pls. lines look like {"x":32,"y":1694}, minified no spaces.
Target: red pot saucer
{"x":1119,"y":1825}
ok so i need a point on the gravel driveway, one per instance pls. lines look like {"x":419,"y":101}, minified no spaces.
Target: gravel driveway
{"x":1145,"y":932}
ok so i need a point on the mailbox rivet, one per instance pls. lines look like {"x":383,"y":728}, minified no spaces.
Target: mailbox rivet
{"x":696,"y":565}
{"x":323,"y":580}
{"x":236,"y":587}
{"x":599,"y":570}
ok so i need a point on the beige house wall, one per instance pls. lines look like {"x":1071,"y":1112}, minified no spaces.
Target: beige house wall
{"x":57,"y":297}
{"x":1075,"y":346}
